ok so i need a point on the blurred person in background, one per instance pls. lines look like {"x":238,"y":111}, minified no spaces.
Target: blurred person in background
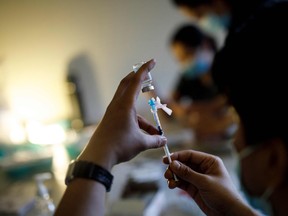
{"x":215,"y":13}
{"x":194,"y":52}
{"x":196,"y":100}
{"x":212,"y":15}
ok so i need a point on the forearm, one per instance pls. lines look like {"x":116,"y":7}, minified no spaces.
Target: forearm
{"x":83,"y":198}
{"x":241,"y":208}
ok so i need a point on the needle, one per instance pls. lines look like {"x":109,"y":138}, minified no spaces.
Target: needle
{"x":158,"y":124}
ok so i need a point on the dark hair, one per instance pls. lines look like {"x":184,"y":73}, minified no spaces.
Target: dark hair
{"x":189,"y":35}
{"x":255,"y":78}
{"x":192,"y":37}
{"x":191,"y":3}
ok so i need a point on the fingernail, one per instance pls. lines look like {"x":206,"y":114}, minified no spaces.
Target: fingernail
{"x":175,"y":164}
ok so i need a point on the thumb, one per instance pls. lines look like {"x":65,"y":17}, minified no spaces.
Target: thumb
{"x":154,"y":141}
{"x":186,"y":173}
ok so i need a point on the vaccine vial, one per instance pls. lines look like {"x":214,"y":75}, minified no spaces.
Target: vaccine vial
{"x":146,"y":85}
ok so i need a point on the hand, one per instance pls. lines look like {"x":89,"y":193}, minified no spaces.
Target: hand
{"x":205,"y":178}
{"x":119,"y":137}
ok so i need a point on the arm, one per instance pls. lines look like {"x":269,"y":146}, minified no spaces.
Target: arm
{"x":118,"y":138}
{"x":206,"y":179}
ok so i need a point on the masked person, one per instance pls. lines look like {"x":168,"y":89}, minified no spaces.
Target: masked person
{"x":196,"y":100}
{"x":250,"y":69}
{"x":194,"y":51}
{"x":212,"y":15}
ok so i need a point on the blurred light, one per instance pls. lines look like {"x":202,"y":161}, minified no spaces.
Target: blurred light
{"x":17,"y":135}
{"x":45,"y":135}
{"x":11,"y":128}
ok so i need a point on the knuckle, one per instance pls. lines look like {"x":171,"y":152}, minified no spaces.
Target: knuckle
{"x":218,"y":160}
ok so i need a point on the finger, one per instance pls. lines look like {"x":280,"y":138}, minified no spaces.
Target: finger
{"x":166,"y":160}
{"x":191,"y":156}
{"x":123,"y":85}
{"x":168,"y":174}
{"x":172,"y":184}
{"x":133,"y":89}
{"x":153,"y":141}
{"x":146,"y":126}
{"x":186,"y":173}
{"x":179,"y":184}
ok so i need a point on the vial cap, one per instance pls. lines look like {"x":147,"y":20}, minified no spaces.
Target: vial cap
{"x":147,"y":88}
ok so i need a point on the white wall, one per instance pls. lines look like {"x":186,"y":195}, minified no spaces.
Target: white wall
{"x":38,"y":38}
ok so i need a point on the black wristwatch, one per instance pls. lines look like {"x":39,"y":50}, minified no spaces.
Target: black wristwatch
{"x":88,"y":170}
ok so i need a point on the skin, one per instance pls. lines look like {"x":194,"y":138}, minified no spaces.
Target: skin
{"x":182,"y":54}
{"x":205,"y":178}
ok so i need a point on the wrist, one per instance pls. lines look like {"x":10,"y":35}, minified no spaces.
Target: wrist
{"x":241,"y":208}
{"x":100,"y":156}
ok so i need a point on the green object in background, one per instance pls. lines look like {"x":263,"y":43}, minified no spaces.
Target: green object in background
{"x":20,"y":161}
{"x":29,"y":169}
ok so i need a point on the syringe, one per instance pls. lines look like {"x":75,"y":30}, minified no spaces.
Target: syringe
{"x":154,"y":108}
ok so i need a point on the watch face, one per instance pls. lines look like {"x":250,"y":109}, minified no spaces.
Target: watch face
{"x":69,"y":174}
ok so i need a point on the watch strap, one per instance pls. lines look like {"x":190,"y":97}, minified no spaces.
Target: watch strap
{"x":89,"y":170}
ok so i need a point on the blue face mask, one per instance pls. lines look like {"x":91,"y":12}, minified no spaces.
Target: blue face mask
{"x":199,"y":66}
{"x":259,"y":203}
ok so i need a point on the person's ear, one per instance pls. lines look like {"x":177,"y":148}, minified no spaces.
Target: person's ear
{"x":277,"y":163}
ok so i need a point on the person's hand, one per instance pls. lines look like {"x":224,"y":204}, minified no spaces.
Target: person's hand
{"x":120,"y":136}
{"x":205,"y":178}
